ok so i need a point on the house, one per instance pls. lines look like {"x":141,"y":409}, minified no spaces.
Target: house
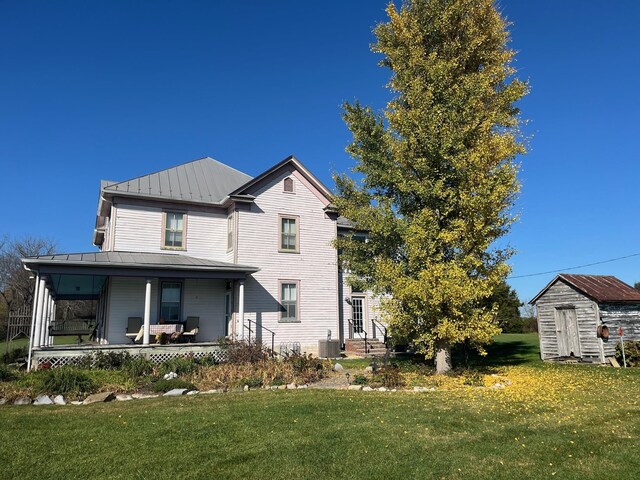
{"x":579,"y":316}
{"x":243,"y":257}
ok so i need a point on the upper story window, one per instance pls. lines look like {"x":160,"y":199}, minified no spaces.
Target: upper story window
{"x":230,"y":232}
{"x":173,"y":232}
{"x":288,"y":185}
{"x":289,"y":234}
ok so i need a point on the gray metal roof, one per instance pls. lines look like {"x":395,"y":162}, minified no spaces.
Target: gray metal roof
{"x":136,"y":260}
{"x":203,"y":181}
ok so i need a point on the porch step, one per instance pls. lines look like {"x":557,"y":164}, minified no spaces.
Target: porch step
{"x":374,"y":347}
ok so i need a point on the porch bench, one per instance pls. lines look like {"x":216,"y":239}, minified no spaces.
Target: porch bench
{"x":73,"y":327}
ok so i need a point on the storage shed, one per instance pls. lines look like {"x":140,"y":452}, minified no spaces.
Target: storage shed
{"x":579,"y":316}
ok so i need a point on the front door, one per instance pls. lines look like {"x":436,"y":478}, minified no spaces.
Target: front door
{"x":357,"y":316}
{"x":567,"y":332}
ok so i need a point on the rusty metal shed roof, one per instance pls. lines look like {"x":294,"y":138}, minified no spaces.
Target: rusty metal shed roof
{"x":601,"y":288}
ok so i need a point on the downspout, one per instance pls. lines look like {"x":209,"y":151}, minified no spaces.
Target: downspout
{"x":33,"y":317}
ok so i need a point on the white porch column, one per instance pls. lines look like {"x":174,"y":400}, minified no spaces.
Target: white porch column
{"x":241,"y":308}
{"x":33,"y":320}
{"x":52,"y":319}
{"x":45,"y":318}
{"x":147,"y":312}
{"x":39,"y":313}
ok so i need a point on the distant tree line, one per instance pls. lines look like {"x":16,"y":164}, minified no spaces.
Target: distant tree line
{"x":513,"y":316}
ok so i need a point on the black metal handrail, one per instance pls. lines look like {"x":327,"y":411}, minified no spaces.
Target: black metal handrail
{"x":273,"y":334}
{"x":377,"y":325}
{"x":352,"y":332}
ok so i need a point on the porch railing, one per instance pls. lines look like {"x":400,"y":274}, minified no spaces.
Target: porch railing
{"x":263,"y":329}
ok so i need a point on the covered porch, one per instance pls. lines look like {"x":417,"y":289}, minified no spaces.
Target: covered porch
{"x":161,"y":292}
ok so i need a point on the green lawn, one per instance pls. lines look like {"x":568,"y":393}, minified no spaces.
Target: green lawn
{"x":554,"y":421}
{"x":23,"y":342}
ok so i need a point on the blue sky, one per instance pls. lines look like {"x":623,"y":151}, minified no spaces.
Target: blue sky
{"x":113,"y":90}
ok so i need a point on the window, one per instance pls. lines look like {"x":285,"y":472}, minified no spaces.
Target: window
{"x":288,"y":185}
{"x":174,"y":230}
{"x":230,"y":232}
{"x":289,"y":302}
{"x":289,"y":234}
{"x":170,"y":301}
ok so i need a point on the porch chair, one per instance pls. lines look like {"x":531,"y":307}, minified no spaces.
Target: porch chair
{"x":191,"y":327}
{"x":134,"y":324}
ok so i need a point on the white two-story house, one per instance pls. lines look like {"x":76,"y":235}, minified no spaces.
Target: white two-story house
{"x":236,"y":256}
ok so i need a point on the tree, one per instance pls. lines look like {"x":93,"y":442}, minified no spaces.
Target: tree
{"x":437,"y":174}
{"x":508,"y":306}
{"x":637,"y":286}
{"x":16,"y":286}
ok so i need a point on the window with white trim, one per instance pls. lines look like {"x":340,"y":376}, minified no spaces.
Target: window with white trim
{"x":170,"y":301}
{"x":289,"y":302}
{"x":173,"y":230}
{"x":230,"y":232}
{"x":288,"y":234}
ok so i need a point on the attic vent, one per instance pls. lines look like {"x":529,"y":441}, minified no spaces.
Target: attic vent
{"x":288,"y":185}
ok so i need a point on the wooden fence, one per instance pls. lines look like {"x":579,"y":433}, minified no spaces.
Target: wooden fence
{"x":19,"y":324}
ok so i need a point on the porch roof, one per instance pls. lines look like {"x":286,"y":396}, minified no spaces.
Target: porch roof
{"x":134,"y":264}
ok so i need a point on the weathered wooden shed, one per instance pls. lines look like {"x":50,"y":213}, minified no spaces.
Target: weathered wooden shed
{"x":579,"y":316}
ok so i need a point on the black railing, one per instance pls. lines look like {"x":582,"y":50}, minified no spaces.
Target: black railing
{"x":361,"y":332}
{"x":255,"y":336}
{"x":377,"y":326}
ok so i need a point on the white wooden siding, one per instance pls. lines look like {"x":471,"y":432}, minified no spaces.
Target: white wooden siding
{"x":561,"y":294}
{"x":205,"y":299}
{"x":139,"y":229}
{"x":126,"y":299}
{"x":315,"y":266}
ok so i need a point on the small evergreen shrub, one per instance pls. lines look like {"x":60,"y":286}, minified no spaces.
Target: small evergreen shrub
{"x":166,"y":385}
{"x":253,"y":382}
{"x":68,"y":381}
{"x":389,"y":376}
{"x":360,"y":380}
{"x":179,"y":365}
{"x":110,"y":360}
{"x":7,"y":374}
{"x":137,"y":367}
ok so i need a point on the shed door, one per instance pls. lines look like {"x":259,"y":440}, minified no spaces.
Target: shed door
{"x":567,"y":332}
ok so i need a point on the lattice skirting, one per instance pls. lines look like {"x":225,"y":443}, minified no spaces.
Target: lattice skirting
{"x":59,"y":359}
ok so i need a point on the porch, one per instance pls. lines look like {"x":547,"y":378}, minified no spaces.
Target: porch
{"x":160,"y":290}
{"x":61,"y":355}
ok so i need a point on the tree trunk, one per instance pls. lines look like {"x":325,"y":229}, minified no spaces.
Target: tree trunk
{"x":443,"y":358}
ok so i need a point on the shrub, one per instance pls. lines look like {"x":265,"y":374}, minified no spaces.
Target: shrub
{"x":389,"y":376}
{"x":13,"y":355}
{"x":253,"y":382}
{"x":360,"y":380}
{"x":7,"y":374}
{"x":166,"y":385}
{"x":110,"y":360}
{"x":246,"y":352}
{"x":179,"y":365}
{"x":67,"y":381}
{"x":631,"y":353}
{"x":137,"y":367}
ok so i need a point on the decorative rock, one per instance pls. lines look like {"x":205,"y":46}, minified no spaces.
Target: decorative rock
{"x":59,"y":400}
{"x":274,"y":387}
{"x":122,"y":397}
{"x":170,"y":376}
{"x":193,"y":392}
{"x":76,"y":402}
{"x":337,"y":367}
{"x":303,"y":386}
{"x":3,"y":401}
{"x":368,"y":369}
{"x":382,"y":389}
{"x":394,"y":390}
{"x":355,"y":387}
{"x":497,"y":385}
{"x":246,"y":388}
{"x":423,"y":389}
{"x":176,"y":392}
{"x":367,"y":389}
{"x":142,"y":396}
{"x":292,"y":386}
{"x":99,"y":397}
{"x":22,"y":401}
{"x":42,"y":400}
{"x":282,"y":387}
{"x":215,"y":390}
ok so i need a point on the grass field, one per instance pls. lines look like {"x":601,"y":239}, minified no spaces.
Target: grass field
{"x":553,"y":421}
